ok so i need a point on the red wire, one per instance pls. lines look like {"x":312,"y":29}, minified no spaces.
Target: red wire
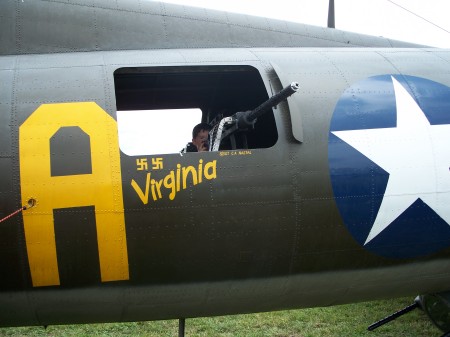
{"x":14,"y":213}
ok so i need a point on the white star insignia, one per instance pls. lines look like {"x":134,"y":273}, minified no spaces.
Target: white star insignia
{"x":414,"y":153}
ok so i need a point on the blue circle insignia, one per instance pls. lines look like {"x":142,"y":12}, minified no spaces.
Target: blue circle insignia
{"x":389,"y":159}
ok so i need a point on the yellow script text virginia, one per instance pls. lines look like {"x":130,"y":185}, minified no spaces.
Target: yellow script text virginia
{"x":175,"y":181}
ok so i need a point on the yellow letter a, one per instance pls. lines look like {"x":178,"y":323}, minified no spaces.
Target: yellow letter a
{"x":102,"y":189}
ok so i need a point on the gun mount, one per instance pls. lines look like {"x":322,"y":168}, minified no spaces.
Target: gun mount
{"x":245,"y":120}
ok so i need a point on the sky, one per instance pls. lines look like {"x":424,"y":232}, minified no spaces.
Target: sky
{"x":373,"y":17}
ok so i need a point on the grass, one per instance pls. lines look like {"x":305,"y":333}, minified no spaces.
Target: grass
{"x":345,"y":320}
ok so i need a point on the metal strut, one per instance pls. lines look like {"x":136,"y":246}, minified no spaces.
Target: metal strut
{"x":395,"y":315}
{"x":181,"y":327}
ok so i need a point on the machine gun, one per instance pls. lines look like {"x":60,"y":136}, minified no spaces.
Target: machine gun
{"x":242,"y":121}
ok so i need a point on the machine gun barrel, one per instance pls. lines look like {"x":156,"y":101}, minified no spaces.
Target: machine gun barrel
{"x":248,"y":118}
